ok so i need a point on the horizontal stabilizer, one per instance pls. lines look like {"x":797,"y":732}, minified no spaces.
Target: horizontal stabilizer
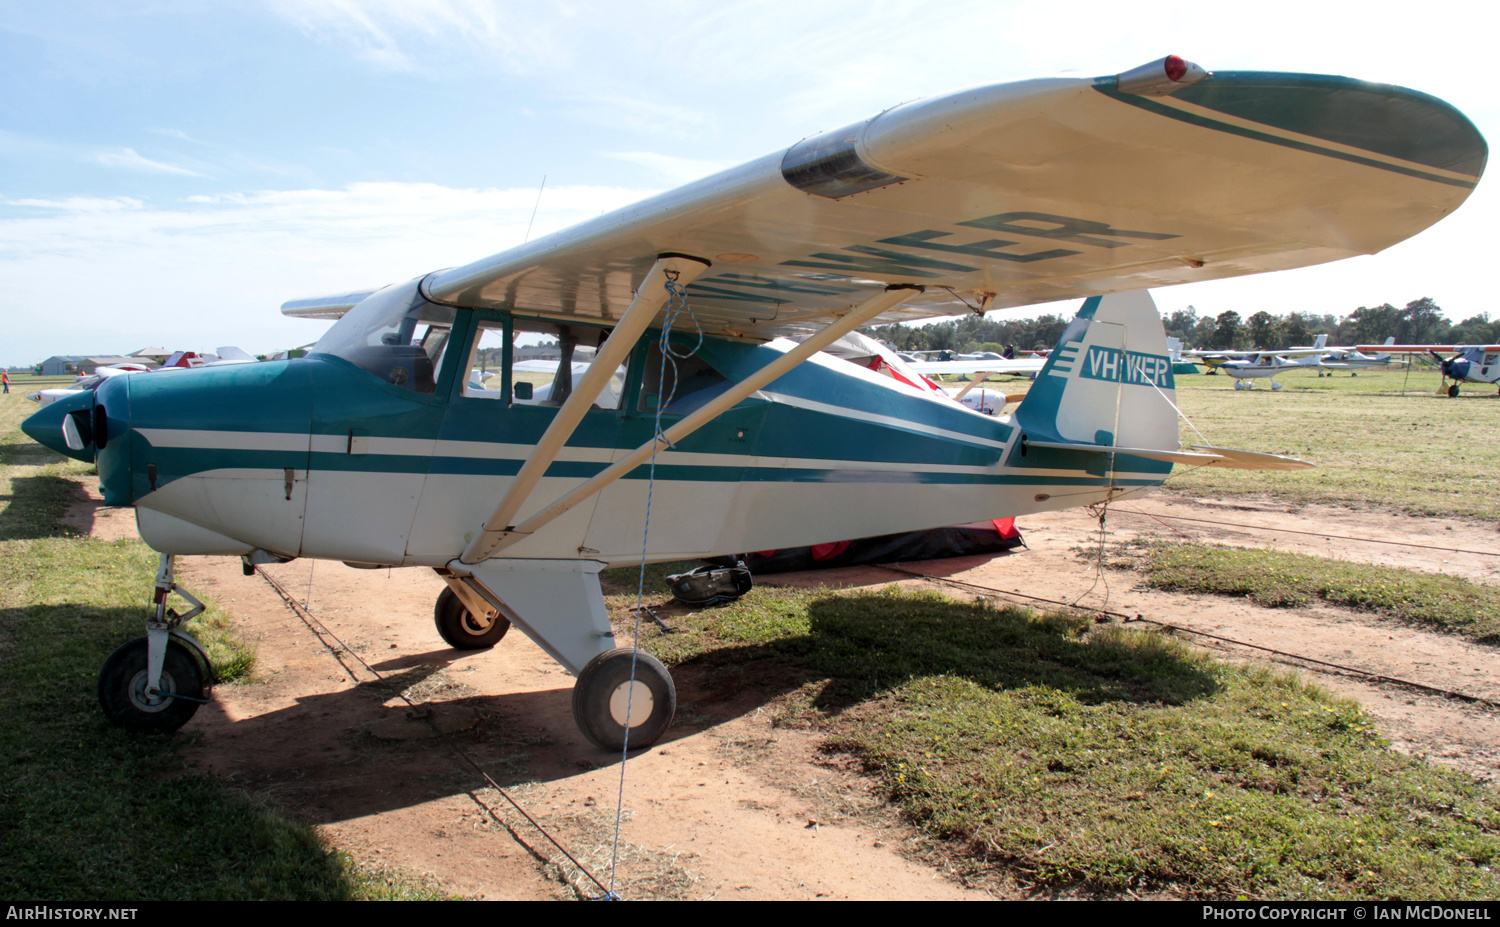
{"x":1252,"y":460}
{"x":1197,"y":456}
{"x":1176,"y":457}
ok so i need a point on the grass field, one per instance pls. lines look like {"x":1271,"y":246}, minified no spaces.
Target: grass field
{"x":87,"y":811}
{"x":1277,"y":579}
{"x":1048,"y":751}
{"x":1040,"y":749}
{"x":1374,"y":442}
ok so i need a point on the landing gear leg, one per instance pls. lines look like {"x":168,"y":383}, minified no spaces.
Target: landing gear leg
{"x":154,"y":684}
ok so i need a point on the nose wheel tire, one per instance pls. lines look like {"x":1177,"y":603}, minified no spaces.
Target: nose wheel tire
{"x":605,"y":696}
{"x":462,"y":629}
{"x":124,"y":697}
{"x":1453,"y":391}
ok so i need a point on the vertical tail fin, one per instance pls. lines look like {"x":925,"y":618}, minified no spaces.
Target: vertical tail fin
{"x":1109,"y":381}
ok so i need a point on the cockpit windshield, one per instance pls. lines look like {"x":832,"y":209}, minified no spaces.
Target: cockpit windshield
{"x":395,"y":334}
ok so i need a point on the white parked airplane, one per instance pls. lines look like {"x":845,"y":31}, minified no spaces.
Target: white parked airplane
{"x":369,"y":451}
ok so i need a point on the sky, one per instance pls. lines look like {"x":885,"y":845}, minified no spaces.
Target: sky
{"x":172,"y":172}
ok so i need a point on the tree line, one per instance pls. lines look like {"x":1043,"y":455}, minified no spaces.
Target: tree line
{"x":1420,"y":321}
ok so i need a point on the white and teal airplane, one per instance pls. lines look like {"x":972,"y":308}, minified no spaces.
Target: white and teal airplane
{"x":376,"y":450}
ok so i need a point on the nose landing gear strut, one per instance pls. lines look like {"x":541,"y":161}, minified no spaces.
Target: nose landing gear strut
{"x":154,"y":684}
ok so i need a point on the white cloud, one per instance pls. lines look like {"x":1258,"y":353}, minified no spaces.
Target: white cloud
{"x":85,"y":204}
{"x":128,"y":159}
{"x":211,"y":270}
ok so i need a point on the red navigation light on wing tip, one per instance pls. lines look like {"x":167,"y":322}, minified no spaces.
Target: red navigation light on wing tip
{"x":1160,"y":77}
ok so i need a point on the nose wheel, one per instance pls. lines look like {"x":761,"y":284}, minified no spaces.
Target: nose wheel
{"x":154,"y":684}
{"x":464,"y":630}
{"x":608,"y":703}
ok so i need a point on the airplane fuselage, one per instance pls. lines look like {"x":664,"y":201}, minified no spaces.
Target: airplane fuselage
{"x":316,"y":457}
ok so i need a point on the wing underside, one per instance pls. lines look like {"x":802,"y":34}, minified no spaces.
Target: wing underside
{"x":1017,"y":194}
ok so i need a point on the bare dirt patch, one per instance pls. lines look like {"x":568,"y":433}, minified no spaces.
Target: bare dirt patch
{"x":728,"y":805}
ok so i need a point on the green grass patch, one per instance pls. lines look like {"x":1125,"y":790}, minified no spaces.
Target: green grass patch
{"x":1065,"y":755}
{"x":90,"y":812}
{"x":1379,"y":438}
{"x":1277,"y":579}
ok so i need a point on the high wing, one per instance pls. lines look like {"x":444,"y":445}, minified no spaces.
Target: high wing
{"x":1014,"y":194}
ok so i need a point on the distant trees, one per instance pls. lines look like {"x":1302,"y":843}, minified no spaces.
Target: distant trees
{"x":1265,"y":330}
{"x":973,"y":332}
{"x":1295,"y":331}
{"x":1420,"y":321}
{"x":1227,"y":330}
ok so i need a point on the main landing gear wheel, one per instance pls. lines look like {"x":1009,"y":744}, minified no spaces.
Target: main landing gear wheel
{"x":462,"y":629}
{"x":123,"y":695}
{"x":604,"y":692}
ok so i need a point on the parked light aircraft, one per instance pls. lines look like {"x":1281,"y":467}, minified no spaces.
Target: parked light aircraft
{"x":1475,"y":363}
{"x":179,"y":360}
{"x":1249,"y":367}
{"x":87,"y":382}
{"x":971,"y":394}
{"x":1353,"y":359}
{"x":370,"y":450}
{"x":1256,"y":367}
{"x":1219,"y":360}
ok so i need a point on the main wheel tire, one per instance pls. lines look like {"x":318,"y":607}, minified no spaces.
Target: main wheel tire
{"x":462,"y":629}
{"x":605,"y":693}
{"x":122,"y":688}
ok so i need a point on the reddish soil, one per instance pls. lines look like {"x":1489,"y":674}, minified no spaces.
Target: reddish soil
{"x":728,"y":805}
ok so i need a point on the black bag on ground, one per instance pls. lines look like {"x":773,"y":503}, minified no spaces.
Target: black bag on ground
{"x":710,"y":585}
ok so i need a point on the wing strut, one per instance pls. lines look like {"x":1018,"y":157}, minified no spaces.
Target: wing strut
{"x":984,"y":375}
{"x":648,"y":300}
{"x":854,"y":318}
